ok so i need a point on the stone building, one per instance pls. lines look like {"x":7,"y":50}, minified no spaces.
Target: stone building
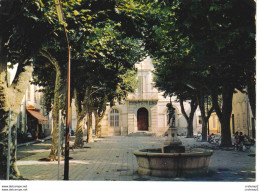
{"x":145,"y":110}
{"x":241,"y":120}
{"x":32,"y":116}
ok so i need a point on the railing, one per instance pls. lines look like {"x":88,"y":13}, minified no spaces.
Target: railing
{"x":143,"y":96}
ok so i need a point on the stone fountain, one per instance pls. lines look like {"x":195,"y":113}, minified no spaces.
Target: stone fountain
{"x":173,"y":159}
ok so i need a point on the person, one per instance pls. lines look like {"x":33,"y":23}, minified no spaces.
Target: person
{"x":246,"y":138}
{"x":241,"y":140}
{"x":236,"y":141}
{"x":211,"y":138}
{"x":241,"y":137}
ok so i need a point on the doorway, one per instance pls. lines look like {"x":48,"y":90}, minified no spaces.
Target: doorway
{"x":142,"y":119}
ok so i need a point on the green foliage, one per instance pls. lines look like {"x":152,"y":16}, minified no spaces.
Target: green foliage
{"x":22,"y":31}
{"x":202,"y":43}
{"x":207,"y":45}
{"x":222,"y":34}
{"x":103,"y":49}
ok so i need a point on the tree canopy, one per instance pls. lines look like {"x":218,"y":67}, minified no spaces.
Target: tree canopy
{"x":207,"y":45}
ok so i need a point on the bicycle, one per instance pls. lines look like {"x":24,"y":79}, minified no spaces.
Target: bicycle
{"x":198,"y":137}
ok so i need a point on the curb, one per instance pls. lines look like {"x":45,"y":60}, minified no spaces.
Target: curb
{"x":33,"y":142}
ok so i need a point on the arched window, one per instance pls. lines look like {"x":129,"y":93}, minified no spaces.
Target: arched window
{"x":114,"y":118}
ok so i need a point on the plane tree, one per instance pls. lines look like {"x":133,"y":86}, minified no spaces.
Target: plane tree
{"x":222,"y":35}
{"x":102,"y":77}
{"x":175,"y":79}
{"x":95,"y":99}
{"x":170,"y":53}
{"x":100,"y":49}
{"x":217,"y":41}
{"x":21,"y":35}
{"x":106,"y":54}
{"x":213,"y":40}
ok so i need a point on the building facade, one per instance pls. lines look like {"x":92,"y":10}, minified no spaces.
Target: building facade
{"x":241,"y":120}
{"x":145,"y":110}
{"x":32,"y":118}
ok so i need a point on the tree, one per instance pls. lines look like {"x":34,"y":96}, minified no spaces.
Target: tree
{"x":172,"y":79}
{"x":205,"y":114}
{"x":100,"y":83}
{"x":58,"y":99}
{"x":110,"y":50}
{"x":99,"y":43}
{"x":127,"y":84}
{"x":20,"y":37}
{"x":222,"y":34}
{"x":215,"y":39}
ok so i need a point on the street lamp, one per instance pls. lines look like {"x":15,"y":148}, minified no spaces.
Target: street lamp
{"x":66,"y":164}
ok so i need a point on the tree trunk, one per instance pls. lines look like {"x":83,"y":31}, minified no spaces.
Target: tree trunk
{"x":55,"y":116}
{"x":79,"y":142}
{"x":4,"y":110}
{"x":99,"y":115}
{"x":10,"y":98}
{"x":189,"y":118}
{"x":89,"y":128}
{"x":56,"y":105}
{"x":97,"y":124}
{"x":7,"y":101}
{"x":98,"y":118}
{"x":204,"y":129}
{"x":251,"y":90}
{"x":224,"y":114}
{"x":80,"y":122}
{"x":205,"y":117}
{"x":190,"y":127}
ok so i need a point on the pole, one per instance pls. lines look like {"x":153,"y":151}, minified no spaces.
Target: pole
{"x":66,"y":166}
{"x":59,"y":145}
{"x":9,"y":146}
{"x":66,"y":162}
{"x":247,"y":116}
{"x":16,"y":129}
{"x":208,"y":113}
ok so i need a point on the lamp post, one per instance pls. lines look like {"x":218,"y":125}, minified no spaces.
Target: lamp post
{"x":208,"y":113}
{"x":66,"y":164}
{"x":9,"y":146}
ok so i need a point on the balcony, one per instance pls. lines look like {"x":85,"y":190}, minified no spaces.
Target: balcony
{"x":144,"y":96}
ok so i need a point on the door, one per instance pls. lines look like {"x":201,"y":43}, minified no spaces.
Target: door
{"x":142,"y":119}
{"x":114,"y":121}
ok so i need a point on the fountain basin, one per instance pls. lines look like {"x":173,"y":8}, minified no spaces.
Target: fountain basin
{"x":155,"y":162}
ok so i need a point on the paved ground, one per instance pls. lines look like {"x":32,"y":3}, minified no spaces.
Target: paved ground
{"x":111,"y":159}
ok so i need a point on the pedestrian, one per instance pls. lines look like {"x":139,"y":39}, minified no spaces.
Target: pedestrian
{"x":241,"y":141}
{"x":236,"y":141}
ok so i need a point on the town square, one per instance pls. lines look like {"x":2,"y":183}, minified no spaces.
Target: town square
{"x":128,"y":91}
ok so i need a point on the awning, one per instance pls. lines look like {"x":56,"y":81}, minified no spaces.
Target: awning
{"x":37,"y":115}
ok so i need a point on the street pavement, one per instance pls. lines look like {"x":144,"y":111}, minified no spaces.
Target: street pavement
{"x":112,"y":159}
